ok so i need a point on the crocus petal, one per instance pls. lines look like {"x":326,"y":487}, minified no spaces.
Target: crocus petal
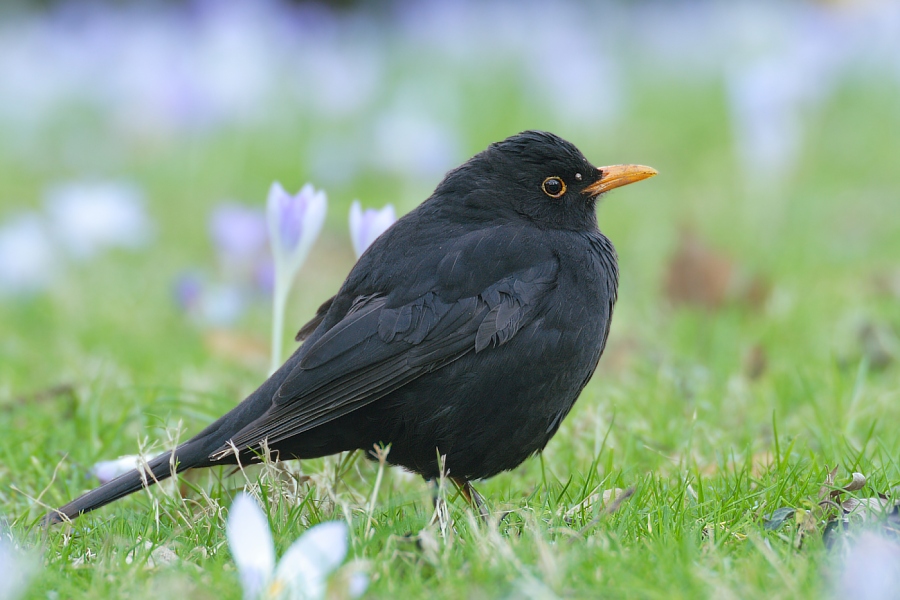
{"x":292,"y":211}
{"x":414,"y":144}
{"x":107,"y":470}
{"x":356,"y":228}
{"x":381,"y":222}
{"x":308,"y":562}
{"x":294,"y":224}
{"x":221,"y":304}
{"x":88,"y":217}
{"x":366,"y":226}
{"x":315,"y":208}
{"x":188,"y":291}
{"x":359,"y":581}
{"x":870,"y":569}
{"x":16,"y":568}
{"x":27,"y":257}
{"x":239,"y":232}
{"x":250,"y":542}
{"x":277,"y":198}
{"x":264,"y":275}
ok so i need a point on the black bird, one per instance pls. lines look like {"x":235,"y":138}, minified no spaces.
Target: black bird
{"x":467,"y":331}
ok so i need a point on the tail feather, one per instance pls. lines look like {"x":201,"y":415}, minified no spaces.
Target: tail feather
{"x":191,"y":454}
{"x":154,"y":471}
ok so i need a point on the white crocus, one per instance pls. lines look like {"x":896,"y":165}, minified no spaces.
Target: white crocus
{"x":302,"y":572}
{"x":294,"y":224}
{"x":89,"y":217}
{"x":366,"y":226}
{"x":107,"y":470}
{"x":16,"y":567}
{"x":27,"y":257}
{"x":870,"y":570}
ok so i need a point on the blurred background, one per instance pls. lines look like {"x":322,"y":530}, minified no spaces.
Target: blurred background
{"x":138,"y":142}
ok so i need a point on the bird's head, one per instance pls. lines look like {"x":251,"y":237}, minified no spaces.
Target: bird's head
{"x":540,"y":177}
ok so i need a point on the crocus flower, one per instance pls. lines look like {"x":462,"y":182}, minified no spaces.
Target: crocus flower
{"x":294,"y":224}
{"x":209,"y":303}
{"x":16,"y":567}
{"x":870,"y":569}
{"x":367,"y":225}
{"x":766,"y":114}
{"x":240,"y":236}
{"x":89,"y":217}
{"x":238,"y":232}
{"x":107,"y":470}
{"x":414,"y":144}
{"x":304,"y":568}
{"x":27,"y":261}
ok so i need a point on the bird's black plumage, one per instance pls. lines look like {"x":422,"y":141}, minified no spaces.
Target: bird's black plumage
{"x":467,"y":330}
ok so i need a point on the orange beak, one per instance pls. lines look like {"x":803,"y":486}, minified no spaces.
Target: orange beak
{"x":616,"y":176}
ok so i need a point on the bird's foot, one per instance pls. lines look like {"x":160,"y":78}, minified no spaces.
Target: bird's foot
{"x":475,"y":500}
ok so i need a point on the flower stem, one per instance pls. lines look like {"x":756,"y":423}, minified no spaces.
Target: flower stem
{"x":279,"y":303}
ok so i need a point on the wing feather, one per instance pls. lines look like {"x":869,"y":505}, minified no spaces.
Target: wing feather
{"x":314,"y":323}
{"x":376,"y":349}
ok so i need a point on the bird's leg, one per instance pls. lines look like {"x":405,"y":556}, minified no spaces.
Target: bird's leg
{"x":472,"y":496}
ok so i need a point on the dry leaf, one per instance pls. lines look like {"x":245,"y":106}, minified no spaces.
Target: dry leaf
{"x":888,"y":283}
{"x":620,"y":354}
{"x":607,"y":498}
{"x":159,"y":556}
{"x":867,"y":507}
{"x":162,"y":555}
{"x":755,"y":362}
{"x":831,"y":512}
{"x":857,"y":482}
{"x":778,"y":518}
{"x":612,"y":495}
{"x":696,"y":275}
{"x":700,"y":276}
{"x":878,"y":345}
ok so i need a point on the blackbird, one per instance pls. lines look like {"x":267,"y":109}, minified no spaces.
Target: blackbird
{"x":461,"y":338}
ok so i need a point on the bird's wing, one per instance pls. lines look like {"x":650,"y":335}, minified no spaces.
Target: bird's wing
{"x":376,"y":349}
{"x":313,"y":323}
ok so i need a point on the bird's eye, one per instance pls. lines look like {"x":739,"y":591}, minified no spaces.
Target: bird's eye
{"x":554,"y":187}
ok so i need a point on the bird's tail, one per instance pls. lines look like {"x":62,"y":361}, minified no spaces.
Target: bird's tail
{"x":186,"y":456}
{"x":192,"y":454}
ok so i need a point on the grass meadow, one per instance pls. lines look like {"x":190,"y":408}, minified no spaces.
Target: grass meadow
{"x":714,"y":405}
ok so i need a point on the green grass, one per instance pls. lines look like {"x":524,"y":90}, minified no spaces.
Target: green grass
{"x":671,"y":412}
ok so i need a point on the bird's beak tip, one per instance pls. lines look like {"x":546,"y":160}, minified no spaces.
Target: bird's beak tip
{"x":615,"y":176}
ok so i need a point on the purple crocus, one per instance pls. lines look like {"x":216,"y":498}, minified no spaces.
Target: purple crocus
{"x":239,"y":232}
{"x":367,"y":225}
{"x":294,"y":224}
{"x":209,"y":303}
{"x":241,"y":239}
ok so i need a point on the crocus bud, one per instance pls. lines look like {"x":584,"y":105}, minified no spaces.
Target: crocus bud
{"x":367,"y":225}
{"x":294,"y":224}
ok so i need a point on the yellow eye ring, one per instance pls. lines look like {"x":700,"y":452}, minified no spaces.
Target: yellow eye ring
{"x":554,"y":187}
